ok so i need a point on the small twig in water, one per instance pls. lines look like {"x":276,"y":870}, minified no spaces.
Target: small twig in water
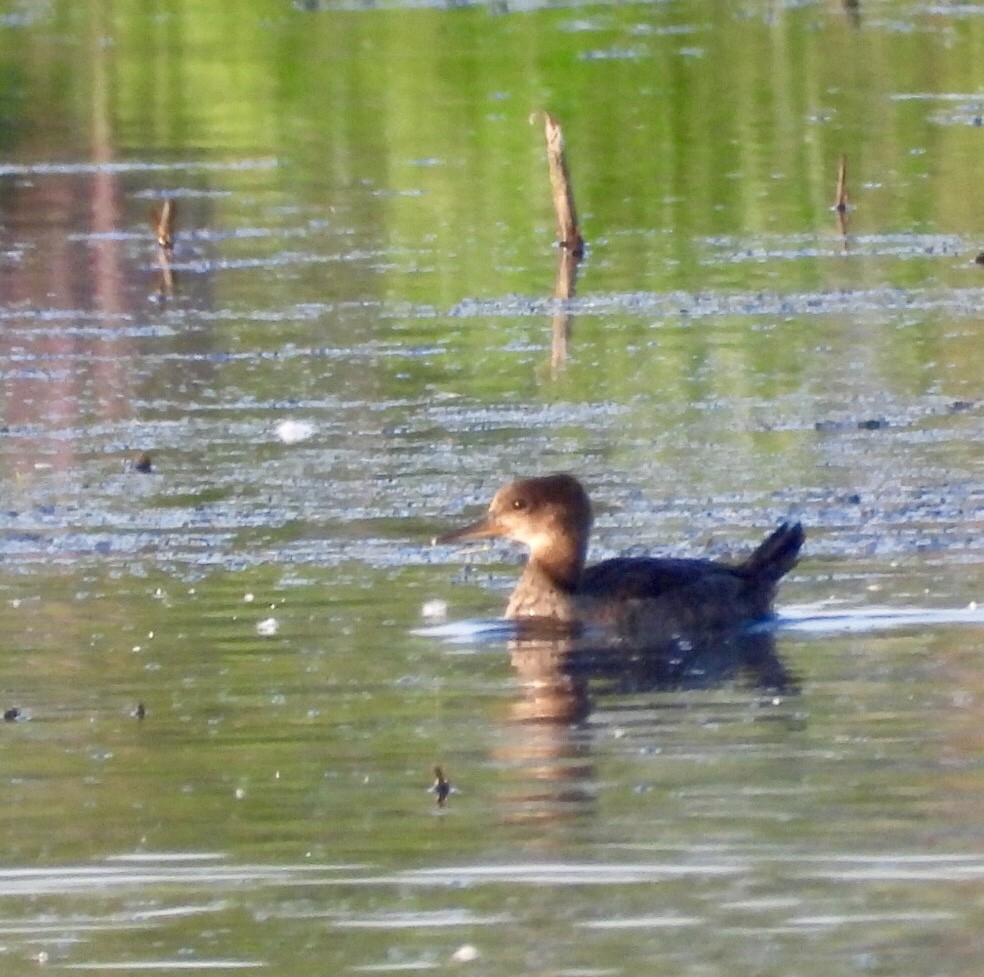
{"x":163,"y":218}
{"x":560,"y":185}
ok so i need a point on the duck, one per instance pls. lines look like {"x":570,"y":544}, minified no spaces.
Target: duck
{"x":551,"y":515}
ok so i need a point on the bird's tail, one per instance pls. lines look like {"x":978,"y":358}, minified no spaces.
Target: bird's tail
{"x":777,"y":555}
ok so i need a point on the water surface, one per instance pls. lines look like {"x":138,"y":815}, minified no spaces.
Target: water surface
{"x":227,"y":684}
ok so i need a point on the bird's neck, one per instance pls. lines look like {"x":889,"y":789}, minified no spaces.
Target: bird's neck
{"x":559,"y":561}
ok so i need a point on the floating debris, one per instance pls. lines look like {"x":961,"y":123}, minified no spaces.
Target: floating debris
{"x":867,"y":424}
{"x":292,"y":432}
{"x":434,"y":610}
{"x":268,"y":627}
{"x":142,"y":463}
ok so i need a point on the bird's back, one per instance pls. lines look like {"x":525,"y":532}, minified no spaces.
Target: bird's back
{"x":648,"y":577}
{"x":705,"y":592}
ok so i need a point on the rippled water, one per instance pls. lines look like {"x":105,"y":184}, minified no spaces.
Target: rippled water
{"x":227,"y":681}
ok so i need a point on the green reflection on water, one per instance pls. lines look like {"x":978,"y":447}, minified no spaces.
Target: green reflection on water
{"x":395,"y":164}
{"x":683,"y":122}
{"x":280,"y":720}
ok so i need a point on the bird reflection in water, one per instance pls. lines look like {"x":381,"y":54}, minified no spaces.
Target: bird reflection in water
{"x":571,"y":687}
{"x":557,"y":672}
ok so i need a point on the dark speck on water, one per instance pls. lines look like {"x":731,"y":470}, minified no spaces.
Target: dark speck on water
{"x":868,"y":424}
{"x":143,"y":463}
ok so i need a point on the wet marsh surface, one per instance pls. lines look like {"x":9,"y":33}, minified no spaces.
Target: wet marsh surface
{"x":229,"y":679}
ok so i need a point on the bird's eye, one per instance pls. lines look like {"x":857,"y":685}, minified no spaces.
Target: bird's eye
{"x":519,"y":504}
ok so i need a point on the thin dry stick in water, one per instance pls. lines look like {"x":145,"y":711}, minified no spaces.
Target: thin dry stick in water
{"x":163,"y":221}
{"x":840,"y":202}
{"x":560,"y":185}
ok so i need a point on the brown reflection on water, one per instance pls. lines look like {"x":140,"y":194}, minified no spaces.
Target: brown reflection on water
{"x":558,"y":675}
{"x":166,"y":279}
{"x":562,"y":678}
{"x":106,"y":209}
{"x":49,"y":387}
{"x":75,"y":263}
{"x":557,"y":765}
{"x":564,"y":289}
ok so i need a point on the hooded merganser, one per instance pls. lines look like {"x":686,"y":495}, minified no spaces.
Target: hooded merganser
{"x":552,"y":516}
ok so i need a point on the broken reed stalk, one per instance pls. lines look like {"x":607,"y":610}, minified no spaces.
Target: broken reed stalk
{"x":840,"y":203}
{"x":163,"y":220}
{"x":840,"y":199}
{"x":560,"y":185}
